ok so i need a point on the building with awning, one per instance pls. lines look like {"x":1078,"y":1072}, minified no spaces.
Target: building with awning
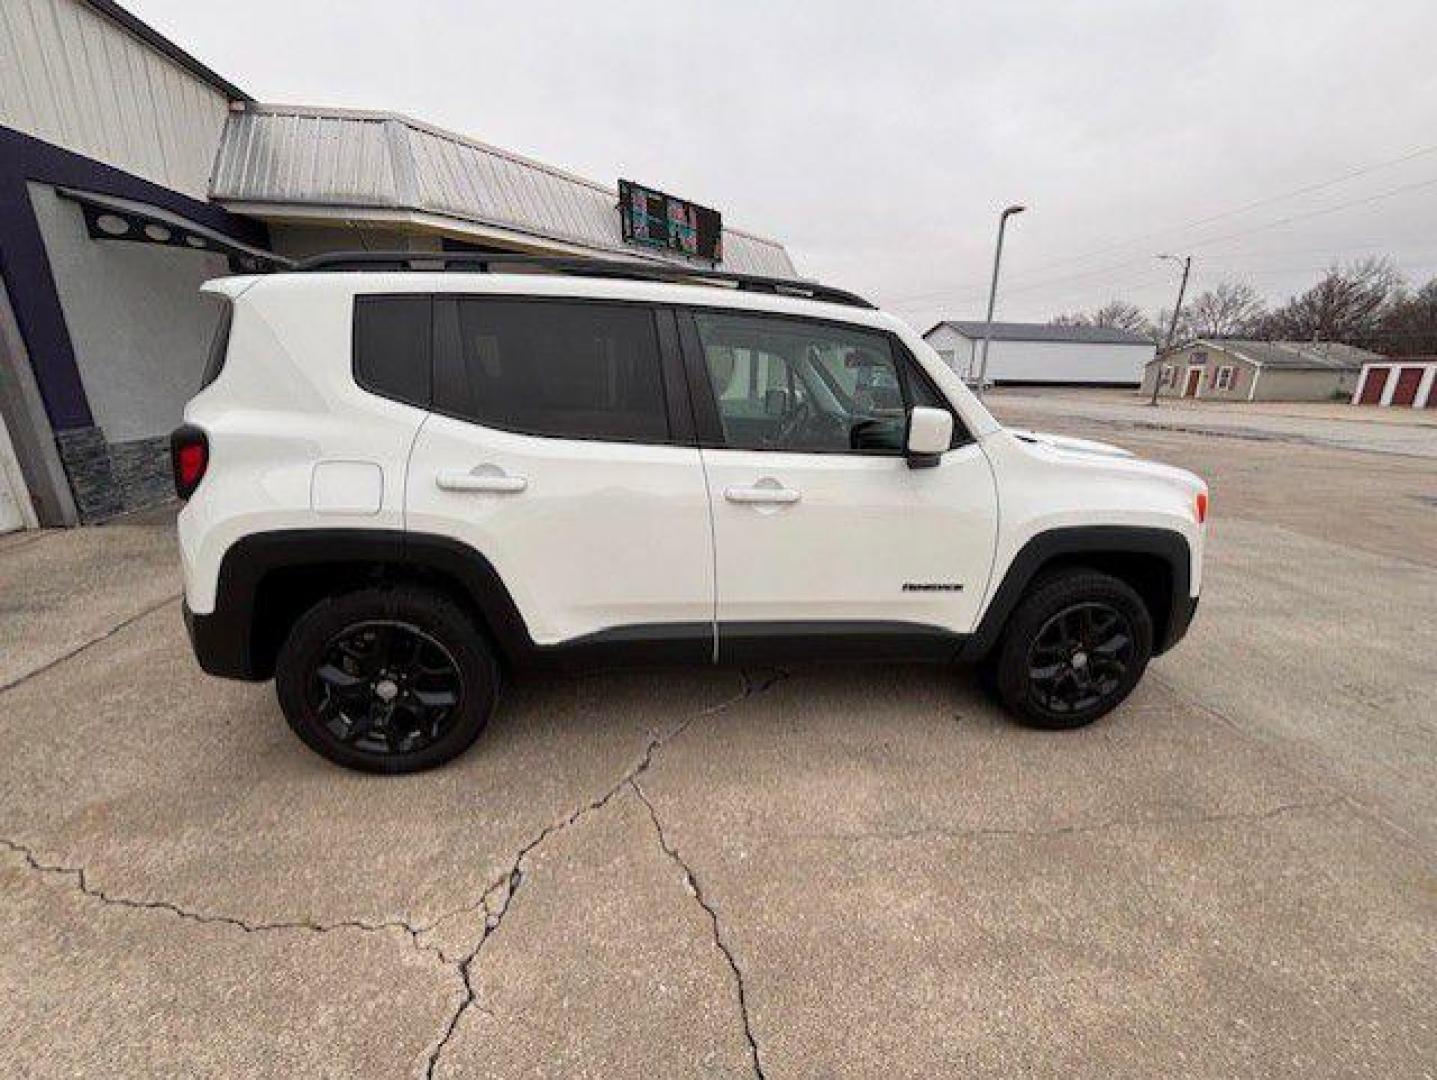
{"x":326,"y":177}
{"x":130,"y":173}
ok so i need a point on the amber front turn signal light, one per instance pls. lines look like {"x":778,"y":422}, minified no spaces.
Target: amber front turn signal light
{"x":1201,"y":506}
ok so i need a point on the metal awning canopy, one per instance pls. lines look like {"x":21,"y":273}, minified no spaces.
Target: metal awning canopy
{"x":108,"y":217}
{"x":297,"y":163}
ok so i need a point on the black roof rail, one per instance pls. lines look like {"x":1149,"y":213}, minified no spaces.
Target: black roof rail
{"x":484,"y":263}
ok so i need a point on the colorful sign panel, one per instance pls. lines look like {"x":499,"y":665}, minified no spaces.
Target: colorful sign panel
{"x":653,"y":219}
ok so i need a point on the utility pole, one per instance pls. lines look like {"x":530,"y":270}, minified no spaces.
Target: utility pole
{"x":993,"y":294}
{"x":1187,"y":261}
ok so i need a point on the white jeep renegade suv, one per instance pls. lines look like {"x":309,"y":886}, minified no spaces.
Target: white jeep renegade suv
{"x":404,"y":484}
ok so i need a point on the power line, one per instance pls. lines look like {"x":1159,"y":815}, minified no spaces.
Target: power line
{"x":1021,"y":289}
{"x":1115,"y":289}
{"x":1306,"y":189}
{"x":1401,"y":190}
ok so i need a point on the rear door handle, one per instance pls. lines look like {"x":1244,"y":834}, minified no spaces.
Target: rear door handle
{"x":483,"y":482}
{"x":761,"y":493}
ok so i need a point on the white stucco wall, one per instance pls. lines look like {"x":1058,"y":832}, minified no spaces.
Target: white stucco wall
{"x":140,"y":329}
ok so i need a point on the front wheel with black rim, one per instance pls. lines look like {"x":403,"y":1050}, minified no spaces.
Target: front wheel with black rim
{"x":387,"y":680}
{"x":1074,"y":648}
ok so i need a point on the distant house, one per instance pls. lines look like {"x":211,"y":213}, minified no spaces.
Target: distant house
{"x":1041,"y":354}
{"x":1233,"y":370}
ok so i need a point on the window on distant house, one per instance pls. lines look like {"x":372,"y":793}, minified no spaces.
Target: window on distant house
{"x":1225,"y":379}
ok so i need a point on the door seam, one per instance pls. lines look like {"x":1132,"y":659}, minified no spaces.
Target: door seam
{"x":713,"y":550}
{"x":408,"y":470}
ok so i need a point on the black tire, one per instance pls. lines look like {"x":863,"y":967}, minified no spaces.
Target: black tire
{"x":1073,"y":650}
{"x":387,"y":680}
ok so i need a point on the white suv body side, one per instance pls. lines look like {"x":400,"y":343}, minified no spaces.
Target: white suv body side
{"x":610,"y":534}
{"x":560,"y":541}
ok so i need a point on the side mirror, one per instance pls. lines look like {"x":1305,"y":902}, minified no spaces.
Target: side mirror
{"x":775,"y":401}
{"x":930,"y":432}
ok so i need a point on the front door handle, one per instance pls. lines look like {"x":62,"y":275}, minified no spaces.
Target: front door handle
{"x":493,"y":483}
{"x":762,"y":493}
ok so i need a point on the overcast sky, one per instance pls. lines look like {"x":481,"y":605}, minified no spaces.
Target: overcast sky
{"x":879,"y":140}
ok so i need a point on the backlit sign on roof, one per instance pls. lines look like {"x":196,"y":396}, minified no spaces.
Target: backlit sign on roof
{"x":651,"y":218}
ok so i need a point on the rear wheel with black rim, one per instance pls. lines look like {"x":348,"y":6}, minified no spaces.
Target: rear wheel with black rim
{"x":1074,"y":648}
{"x":388,"y":680}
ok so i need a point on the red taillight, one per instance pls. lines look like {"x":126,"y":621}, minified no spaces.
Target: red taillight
{"x":190,"y":457}
{"x":1201,"y":506}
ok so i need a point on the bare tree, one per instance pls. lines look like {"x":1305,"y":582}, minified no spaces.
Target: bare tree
{"x":1115,"y":314}
{"x":1182,"y":332}
{"x":1121,"y":315}
{"x":1408,"y":325}
{"x":1229,"y":309}
{"x":1346,"y":305}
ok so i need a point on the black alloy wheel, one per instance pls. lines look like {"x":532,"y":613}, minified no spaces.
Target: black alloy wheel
{"x":386,"y":688}
{"x":1073,"y":649}
{"x":387,"y":679}
{"x":1080,"y":657}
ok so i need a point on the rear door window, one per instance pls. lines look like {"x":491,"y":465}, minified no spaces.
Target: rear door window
{"x":563,"y":369}
{"x":393,"y":338}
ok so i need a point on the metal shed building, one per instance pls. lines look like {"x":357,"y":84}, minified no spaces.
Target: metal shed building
{"x":130,"y":173}
{"x":1039,"y":353}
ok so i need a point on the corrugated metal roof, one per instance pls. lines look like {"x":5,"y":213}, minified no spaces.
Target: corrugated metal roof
{"x":1011,"y":331}
{"x":1292,"y":355}
{"x":341,"y":158}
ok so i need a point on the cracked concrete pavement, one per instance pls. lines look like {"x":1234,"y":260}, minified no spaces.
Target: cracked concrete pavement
{"x":833,"y":872}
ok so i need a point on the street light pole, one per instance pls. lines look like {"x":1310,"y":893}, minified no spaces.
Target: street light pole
{"x":993,"y":293}
{"x":1187,"y":262}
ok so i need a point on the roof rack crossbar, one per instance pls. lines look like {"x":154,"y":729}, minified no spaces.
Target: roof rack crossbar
{"x":484,"y":263}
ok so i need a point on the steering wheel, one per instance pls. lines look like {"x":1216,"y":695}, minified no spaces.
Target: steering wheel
{"x":791,"y":426}
{"x":811,"y":429}
{"x":826,"y":427}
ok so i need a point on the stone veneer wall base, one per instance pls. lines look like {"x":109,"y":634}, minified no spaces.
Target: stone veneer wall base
{"x":110,"y":479}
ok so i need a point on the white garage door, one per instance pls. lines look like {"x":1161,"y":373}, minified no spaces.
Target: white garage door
{"x":12,"y":489}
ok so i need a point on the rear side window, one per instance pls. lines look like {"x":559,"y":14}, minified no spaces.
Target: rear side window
{"x":219,"y":345}
{"x":554,"y":368}
{"x":393,"y":338}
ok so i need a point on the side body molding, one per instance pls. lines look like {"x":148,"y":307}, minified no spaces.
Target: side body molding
{"x":267,"y":578}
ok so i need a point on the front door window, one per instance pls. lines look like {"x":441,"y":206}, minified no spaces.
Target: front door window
{"x":787,"y":385}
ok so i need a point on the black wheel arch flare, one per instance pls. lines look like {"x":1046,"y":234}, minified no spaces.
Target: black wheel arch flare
{"x":1155,"y":561}
{"x":266,"y":578}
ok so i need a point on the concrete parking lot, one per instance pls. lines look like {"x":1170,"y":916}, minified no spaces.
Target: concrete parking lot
{"x":822,"y":872}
